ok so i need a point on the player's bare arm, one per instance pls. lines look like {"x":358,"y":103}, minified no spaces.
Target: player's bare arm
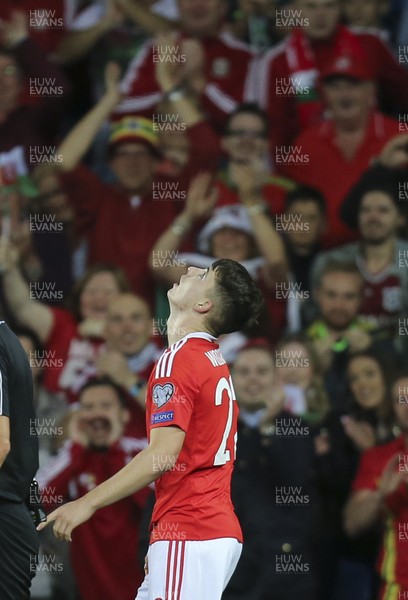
{"x":165,"y":442}
{"x":4,"y":438}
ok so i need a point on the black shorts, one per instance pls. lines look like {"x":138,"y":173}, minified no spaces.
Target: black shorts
{"x":19,"y":546}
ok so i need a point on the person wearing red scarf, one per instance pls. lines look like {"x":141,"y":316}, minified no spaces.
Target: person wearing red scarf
{"x":289,"y":74}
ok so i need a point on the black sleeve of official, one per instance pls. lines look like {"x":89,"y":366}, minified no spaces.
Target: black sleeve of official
{"x":4,"y":397}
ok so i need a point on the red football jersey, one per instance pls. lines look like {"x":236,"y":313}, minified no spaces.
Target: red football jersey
{"x":190,"y":387}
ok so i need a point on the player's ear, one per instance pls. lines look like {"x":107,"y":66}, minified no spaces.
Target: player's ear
{"x":203,"y":306}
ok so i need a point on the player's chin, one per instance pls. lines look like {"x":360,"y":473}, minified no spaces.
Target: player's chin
{"x":172,"y":289}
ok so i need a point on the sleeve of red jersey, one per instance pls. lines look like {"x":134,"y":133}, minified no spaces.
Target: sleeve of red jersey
{"x":220,"y":99}
{"x":139,"y":86}
{"x":174,"y":391}
{"x":367,"y":476}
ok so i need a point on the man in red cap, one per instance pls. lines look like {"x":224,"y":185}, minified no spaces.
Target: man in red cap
{"x":332,"y":154}
{"x":289,"y":74}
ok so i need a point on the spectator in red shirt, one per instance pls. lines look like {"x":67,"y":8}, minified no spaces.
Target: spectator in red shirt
{"x":332,"y":155}
{"x":288,"y":77}
{"x":207,"y":59}
{"x":96,"y":450}
{"x":245,"y":143}
{"x":380,"y":493}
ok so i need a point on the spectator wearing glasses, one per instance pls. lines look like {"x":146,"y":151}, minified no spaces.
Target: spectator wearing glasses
{"x":245,"y":145}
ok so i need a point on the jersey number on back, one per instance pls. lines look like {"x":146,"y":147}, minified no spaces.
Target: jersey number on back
{"x":224,"y":385}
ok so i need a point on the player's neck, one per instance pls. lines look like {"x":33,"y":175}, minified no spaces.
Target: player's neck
{"x":178,"y":327}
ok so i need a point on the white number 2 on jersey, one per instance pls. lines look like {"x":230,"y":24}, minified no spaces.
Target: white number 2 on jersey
{"x":224,"y":385}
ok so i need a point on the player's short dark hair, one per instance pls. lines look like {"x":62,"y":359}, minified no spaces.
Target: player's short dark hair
{"x":102,"y":382}
{"x":239,"y":299}
{"x":251,"y":108}
{"x":305,"y":193}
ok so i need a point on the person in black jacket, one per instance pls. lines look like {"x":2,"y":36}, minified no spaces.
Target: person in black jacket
{"x":365,"y":420}
{"x":18,"y":465}
{"x":270,"y":488}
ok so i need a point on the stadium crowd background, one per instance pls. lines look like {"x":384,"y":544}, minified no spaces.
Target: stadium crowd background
{"x":140,"y":137}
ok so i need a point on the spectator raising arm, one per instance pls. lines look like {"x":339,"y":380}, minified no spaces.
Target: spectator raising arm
{"x":77,"y":43}
{"x":365,"y":506}
{"x":201,"y":199}
{"x":171,"y":77}
{"x":249,"y":179}
{"x":80,"y":138}
{"x":27,"y":312}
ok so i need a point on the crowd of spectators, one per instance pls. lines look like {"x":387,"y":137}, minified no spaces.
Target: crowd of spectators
{"x":141,"y":137}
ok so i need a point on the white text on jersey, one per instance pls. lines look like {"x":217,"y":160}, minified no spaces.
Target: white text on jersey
{"x":215,"y":357}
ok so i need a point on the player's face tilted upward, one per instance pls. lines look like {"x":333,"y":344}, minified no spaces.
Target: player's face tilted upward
{"x":194,"y":289}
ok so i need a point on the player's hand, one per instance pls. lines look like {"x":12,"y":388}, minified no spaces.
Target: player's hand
{"x":361,"y":433}
{"x":66,"y":518}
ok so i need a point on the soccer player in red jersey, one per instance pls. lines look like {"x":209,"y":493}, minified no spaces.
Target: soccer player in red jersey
{"x":191,"y":416}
